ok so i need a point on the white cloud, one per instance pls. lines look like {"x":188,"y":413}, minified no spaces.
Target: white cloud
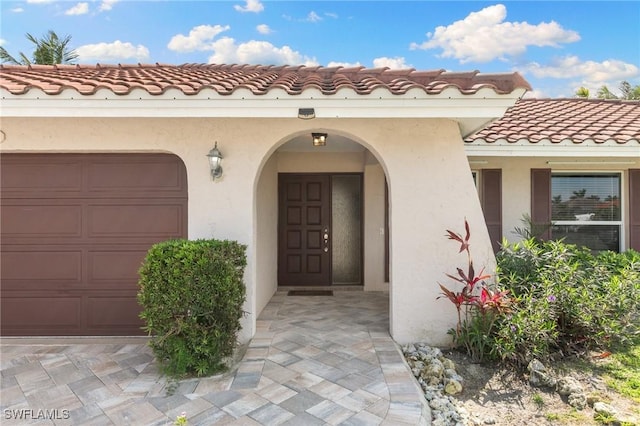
{"x":313,"y":17}
{"x":107,"y":5}
{"x":344,"y":64}
{"x":110,"y":52}
{"x":17,"y":10}
{"x":484,"y":36}
{"x":78,"y":9}
{"x":251,"y":6}
{"x":565,"y":75}
{"x":264,"y":29}
{"x":199,"y":38}
{"x":393,"y":63}
{"x":3,"y":42}
{"x":227,"y":51}
{"x":570,"y":67}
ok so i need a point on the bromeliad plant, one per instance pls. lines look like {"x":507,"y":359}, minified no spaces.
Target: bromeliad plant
{"x":478,"y":306}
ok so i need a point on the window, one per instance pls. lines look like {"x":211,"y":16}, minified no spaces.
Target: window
{"x":585,"y":209}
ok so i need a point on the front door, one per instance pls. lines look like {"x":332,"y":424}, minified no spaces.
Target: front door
{"x":311,"y":207}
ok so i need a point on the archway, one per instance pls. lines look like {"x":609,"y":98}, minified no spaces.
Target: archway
{"x":345,"y":161}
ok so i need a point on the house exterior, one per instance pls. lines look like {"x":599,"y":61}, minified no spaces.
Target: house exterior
{"x":99,"y":162}
{"x":573,"y":163}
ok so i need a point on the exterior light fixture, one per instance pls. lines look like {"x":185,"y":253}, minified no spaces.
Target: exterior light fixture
{"x":319,"y":139}
{"x":215,"y":161}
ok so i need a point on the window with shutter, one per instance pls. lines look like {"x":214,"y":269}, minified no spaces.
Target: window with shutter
{"x":586,"y":209}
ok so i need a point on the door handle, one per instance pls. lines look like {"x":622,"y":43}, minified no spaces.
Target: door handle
{"x":325,"y":237}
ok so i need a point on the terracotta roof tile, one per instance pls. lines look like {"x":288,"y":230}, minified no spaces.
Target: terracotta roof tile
{"x":556,"y":120}
{"x":259,"y":79}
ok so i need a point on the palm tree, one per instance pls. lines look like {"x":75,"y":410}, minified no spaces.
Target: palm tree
{"x":49,"y":50}
{"x":628,"y":92}
{"x":582,"y":92}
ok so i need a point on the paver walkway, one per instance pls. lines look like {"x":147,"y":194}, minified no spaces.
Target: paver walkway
{"x":315,"y":360}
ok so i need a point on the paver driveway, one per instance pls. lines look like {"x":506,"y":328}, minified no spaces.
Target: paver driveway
{"x":315,"y":360}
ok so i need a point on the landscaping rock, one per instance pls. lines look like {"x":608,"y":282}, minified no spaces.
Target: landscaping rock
{"x":568,"y":385}
{"x":539,"y":376}
{"x":452,"y":387}
{"x":438,"y":378}
{"x":605,"y":409}
{"x":577,"y":401}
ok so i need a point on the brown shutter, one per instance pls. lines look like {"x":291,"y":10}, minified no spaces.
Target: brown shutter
{"x":541,"y":199}
{"x":492,"y":204}
{"x":634,"y":209}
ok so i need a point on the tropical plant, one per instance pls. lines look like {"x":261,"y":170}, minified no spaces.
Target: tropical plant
{"x":477,"y":313}
{"x":49,"y":50}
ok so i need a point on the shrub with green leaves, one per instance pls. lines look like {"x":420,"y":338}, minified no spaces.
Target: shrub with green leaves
{"x":566,"y":299}
{"x":192,"y":294}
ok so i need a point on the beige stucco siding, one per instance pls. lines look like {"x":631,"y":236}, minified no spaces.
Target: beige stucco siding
{"x":431,"y":189}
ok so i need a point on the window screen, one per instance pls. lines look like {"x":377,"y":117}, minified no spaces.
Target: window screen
{"x":585,"y":210}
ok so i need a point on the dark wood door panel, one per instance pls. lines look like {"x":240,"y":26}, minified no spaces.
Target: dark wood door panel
{"x":304,"y":258}
{"x":75,"y":228}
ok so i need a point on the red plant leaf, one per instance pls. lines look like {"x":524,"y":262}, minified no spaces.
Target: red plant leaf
{"x":466,"y":227}
{"x":456,"y":278}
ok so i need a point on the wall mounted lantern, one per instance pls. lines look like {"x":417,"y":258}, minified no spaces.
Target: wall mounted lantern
{"x":215,"y":161}
{"x":319,"y":139}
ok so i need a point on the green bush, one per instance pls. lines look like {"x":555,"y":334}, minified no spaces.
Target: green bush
{"x":192,"y":294}
{"x":565,"y":299}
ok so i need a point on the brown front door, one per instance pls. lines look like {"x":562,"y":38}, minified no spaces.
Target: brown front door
{"x":304,"y":252}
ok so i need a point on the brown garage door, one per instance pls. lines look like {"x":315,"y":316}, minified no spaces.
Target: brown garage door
{"x":75,"y":228}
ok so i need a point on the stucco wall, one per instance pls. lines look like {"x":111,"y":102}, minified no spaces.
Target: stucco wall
{"x":266,"y":236}
{"x":429,"y":179}
{"x":374,"y":212}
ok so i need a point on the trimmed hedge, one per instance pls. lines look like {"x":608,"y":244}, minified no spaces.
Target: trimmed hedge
{"x":192,"y":294}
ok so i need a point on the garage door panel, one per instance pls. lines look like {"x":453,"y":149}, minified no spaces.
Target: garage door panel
{"x":151,"y":221}
{"x":41,"y":265}
{"x":107,"y":312}
{"x":41,"y":221}
{"x":40,"y":315}
{"x":116,"y":266}
{"x":135,"y":176}
{"x":75,"y":235}
{"x":41,"y":175}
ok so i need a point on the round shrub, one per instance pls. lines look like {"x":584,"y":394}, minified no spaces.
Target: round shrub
{"x":192,"y":294}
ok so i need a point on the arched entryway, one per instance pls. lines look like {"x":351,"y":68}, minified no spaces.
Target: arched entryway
{"x":321,"y":217}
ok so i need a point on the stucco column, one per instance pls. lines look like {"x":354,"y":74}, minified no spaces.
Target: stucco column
{"x":431,"y":190}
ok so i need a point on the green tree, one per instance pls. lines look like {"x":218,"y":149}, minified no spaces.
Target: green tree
{"x":49,"y":49}
{"x":628,"y":92}
{"x":582,"y":92}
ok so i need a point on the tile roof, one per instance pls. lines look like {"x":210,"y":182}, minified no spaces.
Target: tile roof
{"x":571,"y":121}
{"x":259,"y":79}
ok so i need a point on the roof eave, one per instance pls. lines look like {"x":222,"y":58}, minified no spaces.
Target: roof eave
{"x":452,"y":104}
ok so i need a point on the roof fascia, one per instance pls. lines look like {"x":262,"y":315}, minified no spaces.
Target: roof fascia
{"x":485,"y":103}
{"x":630,"y":149}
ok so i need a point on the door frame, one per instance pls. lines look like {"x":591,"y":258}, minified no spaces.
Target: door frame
{"x":362,"y":214}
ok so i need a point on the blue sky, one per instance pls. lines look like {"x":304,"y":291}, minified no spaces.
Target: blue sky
{"x":557,"y":46}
